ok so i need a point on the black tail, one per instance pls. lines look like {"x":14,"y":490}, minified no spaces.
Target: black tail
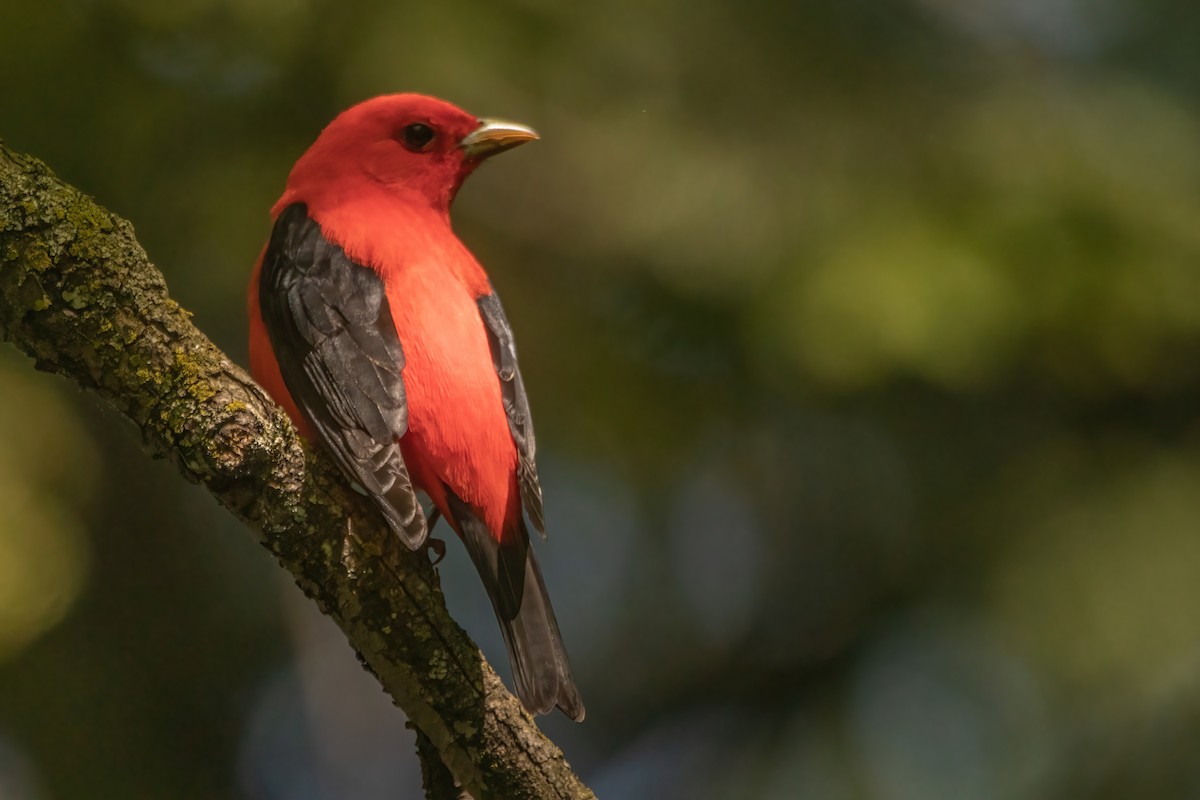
{"x":514,"y":583}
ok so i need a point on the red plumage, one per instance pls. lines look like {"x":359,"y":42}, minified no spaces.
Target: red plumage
{"x":374,"y":192}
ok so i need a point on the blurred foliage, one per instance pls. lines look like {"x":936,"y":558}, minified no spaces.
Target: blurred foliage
{"x":47,"y":472}
{"x":864,"y":344}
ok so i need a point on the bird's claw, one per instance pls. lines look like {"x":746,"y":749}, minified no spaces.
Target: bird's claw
{"x":437,"y":547}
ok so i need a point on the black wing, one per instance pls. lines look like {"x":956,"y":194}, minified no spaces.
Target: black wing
{"x":339,"y":354}
{"x":516,"y":406}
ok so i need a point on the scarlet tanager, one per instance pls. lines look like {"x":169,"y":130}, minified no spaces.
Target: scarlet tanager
{"x":381,"y":336}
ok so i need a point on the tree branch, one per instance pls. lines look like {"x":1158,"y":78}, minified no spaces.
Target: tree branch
{"x":435,"y":778}
{"x":79,"y":295}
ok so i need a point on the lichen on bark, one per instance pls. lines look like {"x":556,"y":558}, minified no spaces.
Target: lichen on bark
{"x":80,"y":296}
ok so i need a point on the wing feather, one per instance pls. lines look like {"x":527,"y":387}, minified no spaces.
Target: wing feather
{"x":516,"y":406}
{"x":340,"y":356}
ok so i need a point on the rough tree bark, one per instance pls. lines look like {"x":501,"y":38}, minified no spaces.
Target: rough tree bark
{"x":79,"y":295}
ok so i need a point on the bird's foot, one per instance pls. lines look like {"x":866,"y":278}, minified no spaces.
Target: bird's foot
{"x":437,"y":547}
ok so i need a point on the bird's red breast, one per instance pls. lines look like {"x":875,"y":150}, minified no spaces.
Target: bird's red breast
{"x":458,"y":433}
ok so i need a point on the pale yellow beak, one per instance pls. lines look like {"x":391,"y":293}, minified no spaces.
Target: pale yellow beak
{"x":495,"y":136}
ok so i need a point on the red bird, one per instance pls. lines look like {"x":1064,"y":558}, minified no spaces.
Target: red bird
{"x":381,"y":336}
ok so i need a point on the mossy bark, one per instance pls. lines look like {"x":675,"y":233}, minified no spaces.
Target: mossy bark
{"x":79,"y":295}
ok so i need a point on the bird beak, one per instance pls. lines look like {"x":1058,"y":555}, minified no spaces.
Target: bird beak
{"x":495,"y":136}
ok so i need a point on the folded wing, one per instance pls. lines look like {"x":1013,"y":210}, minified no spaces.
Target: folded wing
{"x":340,"y":356}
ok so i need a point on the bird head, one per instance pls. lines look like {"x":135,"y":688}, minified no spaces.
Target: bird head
{"x":408,"y":144}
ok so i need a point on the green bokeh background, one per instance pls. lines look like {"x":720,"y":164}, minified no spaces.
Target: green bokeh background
{"x":863,"y":340}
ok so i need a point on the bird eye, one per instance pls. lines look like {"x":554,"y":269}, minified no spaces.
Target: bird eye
{"x":417,"y":136}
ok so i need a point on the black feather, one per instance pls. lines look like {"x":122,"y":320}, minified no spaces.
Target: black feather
{"x":332,"y":333}
{"x":510,"y":575}
{"x":516,"y":406}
